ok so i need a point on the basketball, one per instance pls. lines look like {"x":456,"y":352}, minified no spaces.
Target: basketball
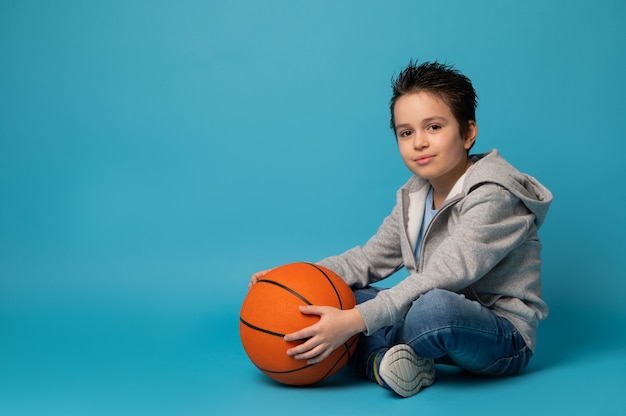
{"x":270,"y":310}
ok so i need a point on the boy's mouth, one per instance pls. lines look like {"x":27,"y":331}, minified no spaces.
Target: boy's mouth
{"x":424,"y":159}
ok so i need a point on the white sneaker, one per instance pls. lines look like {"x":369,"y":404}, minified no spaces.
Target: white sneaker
{"x":404,"y":371}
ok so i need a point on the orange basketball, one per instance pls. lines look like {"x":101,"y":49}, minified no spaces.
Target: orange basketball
{"x":270,"y":310}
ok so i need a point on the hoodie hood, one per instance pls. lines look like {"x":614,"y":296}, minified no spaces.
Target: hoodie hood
{"x":490,"y":167}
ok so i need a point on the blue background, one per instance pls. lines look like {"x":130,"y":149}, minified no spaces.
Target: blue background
{"x":153,"y":154}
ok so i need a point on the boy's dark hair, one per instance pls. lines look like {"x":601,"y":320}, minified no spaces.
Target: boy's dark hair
{"x":454,"y":88}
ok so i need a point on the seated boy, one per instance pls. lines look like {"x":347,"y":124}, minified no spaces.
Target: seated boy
{"x":465,"y":228}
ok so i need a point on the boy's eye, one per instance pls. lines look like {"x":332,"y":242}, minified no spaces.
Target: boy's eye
{"x":434,"y":127}
{"x":405,"y":133}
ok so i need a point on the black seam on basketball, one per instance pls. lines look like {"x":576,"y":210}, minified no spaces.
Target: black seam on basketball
{"x":346,"y":351}
{"x":349,"y":346}
{"x":249,"y":325}
{"x":345,"y":345}
{"x":286,"y":371}
{"x":332,"y":370}
{"x":293,"y":292}
{"x":331,"y":284}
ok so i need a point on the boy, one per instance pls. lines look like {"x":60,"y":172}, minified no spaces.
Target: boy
{"x":465,"y":228}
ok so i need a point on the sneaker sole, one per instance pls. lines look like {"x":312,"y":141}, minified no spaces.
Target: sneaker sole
{"x":405,"y":372}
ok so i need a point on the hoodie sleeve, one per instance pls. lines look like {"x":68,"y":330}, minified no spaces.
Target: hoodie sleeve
{"x":490,"y":222}
{"x":380,"y":257}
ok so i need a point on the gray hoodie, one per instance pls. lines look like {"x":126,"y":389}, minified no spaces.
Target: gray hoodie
{"x":482,"y":243}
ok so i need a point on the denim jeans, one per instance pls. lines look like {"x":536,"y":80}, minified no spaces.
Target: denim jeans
{"x":450,"y":329}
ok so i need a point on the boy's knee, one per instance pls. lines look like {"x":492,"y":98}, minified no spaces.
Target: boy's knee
{"x":436,"y":307}
{"x":437,"y":299}
{"x":438,"y":296}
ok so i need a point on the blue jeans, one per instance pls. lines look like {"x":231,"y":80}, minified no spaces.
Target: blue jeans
{"x":450,"y":329}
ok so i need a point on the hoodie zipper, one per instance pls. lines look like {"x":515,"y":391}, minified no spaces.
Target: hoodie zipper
{"x":444,"y":207}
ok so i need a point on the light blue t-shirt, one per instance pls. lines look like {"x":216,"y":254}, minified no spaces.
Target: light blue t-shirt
{"x":429,"y":213}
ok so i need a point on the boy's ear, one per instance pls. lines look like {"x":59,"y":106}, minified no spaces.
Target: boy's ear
{"x":470,"y":136}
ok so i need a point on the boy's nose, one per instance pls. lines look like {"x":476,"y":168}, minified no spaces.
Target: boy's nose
{"x":419,"y":141}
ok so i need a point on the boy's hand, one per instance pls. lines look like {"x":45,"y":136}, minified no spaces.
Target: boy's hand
{"x":256,"y":276}
{"x":334,"y":328}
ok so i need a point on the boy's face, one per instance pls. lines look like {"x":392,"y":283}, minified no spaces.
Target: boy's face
{"x":429,"y":140}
